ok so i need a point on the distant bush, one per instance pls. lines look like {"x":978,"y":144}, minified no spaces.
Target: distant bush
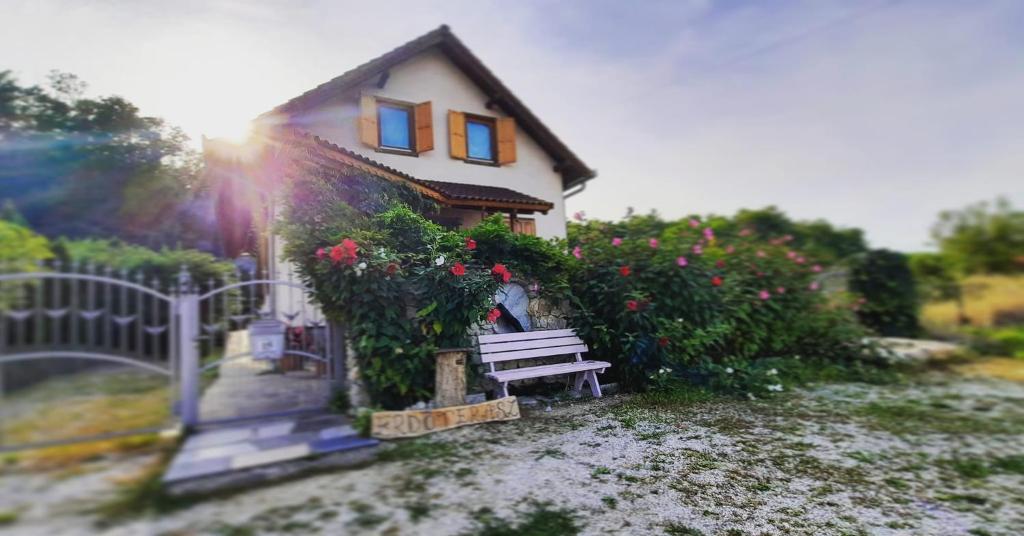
{"x":164,"y":265}
{"x":21,"y":248}
{"x":884,"y":281}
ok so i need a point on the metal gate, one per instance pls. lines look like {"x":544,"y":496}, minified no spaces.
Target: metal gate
{"x":89,"y":353}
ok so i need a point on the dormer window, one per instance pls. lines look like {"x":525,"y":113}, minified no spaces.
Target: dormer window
{"x":396,"y":126}
{"x":391,"y":126}
{"x":480,"y":139}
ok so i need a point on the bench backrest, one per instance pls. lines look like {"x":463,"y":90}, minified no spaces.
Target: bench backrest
{"x":529,"y":344}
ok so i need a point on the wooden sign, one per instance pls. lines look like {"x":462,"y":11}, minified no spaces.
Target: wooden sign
{"x":394,"y":424}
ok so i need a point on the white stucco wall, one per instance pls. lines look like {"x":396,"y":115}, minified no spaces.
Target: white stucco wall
{"x":432,"y":77}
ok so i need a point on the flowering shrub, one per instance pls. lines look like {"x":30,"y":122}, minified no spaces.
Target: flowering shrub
{"x":884,"y":280}
{"x":654,"y":296}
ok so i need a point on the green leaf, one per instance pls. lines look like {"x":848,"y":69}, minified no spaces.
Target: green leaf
{"x":426,"y":310}
{"x":438,"y":327}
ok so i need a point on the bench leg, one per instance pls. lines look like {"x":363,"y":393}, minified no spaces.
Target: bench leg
{"x":578,"y":384}
{"x":502,"y":390}
{"x":595,"y":387}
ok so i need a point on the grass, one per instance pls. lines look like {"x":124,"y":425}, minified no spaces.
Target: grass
{"x":540,"y":520}
{"x":994,"y":306}
{"x":86,"y":404}
{"x":907,"y":417}
{"x":8,"y":518}
{"x":418,"y":449}
{"x":986,"y":298}
{"x":675,"y":529}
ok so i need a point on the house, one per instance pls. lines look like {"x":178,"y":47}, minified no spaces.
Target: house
{"x":428,"y":113}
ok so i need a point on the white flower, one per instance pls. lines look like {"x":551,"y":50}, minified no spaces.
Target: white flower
{"x":773,"y":372}
{"x":728,"y":370}
{"x":751,"y":396}
{"x":439,"y":260}
{"x":668,"y":370}
{"x":777,"y":388}
{"x":399,"y":351}
{"x":382,"y":253}
{"x":361,"y":266}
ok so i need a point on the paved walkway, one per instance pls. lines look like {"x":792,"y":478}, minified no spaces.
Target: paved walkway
{"x":225,"y":450}
{"x":246,"y":387}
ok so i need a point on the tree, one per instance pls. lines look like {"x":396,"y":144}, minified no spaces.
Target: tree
{"x":76,"y":166}
{"x":982,"y":238}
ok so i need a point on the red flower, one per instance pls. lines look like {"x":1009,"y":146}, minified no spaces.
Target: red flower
{"x":624,"y":271}
{"x":391,"y":269}
{"x":320,"y":253}
{"x":716,"y":281}
{"x":336,"y":254}
{"x":720,"y":263}
{"x":501,"y":273}
{"x":458,"y":269}
{"x":346,"y":251}
{"x":663,"y":342}
{"x":493,"y":315}
{"x":633,"y":305}
{"x":470,"y":243}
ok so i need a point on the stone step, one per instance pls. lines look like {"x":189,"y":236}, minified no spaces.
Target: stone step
{"x":237,"y":456}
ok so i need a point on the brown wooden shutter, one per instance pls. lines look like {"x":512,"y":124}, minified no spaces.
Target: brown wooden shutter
{"x":506,"y":140}
{"x":368,"y":121}
{"x":424,"y":127}
{"x":457,"y":134}
{"x":526,"y":227}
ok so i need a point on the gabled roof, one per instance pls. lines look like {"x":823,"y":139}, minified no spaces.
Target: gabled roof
{"x":572,"y":169}
{"x":319,"y":152}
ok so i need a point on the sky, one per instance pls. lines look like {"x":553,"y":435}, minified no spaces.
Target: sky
{"x":871,"y":114}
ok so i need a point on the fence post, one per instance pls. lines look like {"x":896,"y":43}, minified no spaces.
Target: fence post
{"x":188,"y":349}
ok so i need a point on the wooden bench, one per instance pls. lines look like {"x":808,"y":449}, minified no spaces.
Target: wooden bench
{"x":533,"y":344}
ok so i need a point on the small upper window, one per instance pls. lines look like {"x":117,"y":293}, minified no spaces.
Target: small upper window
{"x":480,"y":139}
{"x":395,"y":126}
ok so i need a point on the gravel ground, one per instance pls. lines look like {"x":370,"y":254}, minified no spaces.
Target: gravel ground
{"x":941,"y":455}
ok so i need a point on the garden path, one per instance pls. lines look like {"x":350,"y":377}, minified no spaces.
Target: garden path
{"x":246,"y":387}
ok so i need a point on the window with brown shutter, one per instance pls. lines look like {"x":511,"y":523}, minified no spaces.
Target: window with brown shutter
{"x":394,"y":126}
{"x":478,"y":139}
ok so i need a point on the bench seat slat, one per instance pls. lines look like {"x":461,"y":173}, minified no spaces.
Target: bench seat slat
{"x":526,"y":335}
{"x":529,"y":344}
{"x":547,"y":370}
{"x":532,"y":353}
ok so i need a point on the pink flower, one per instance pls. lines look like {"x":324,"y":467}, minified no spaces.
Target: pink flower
{"x":320,"y":253}
{"x":709,"y":233}
{"x":800,"y":260}
{"x":336,"y":254}
{"x":653,"y":243}
{"x":745,"y":231}
{"x":780,"y":290}
{"x":816,"y":268}
{"x":616,"y":241}
{"x":720,"y":263}
{"x":730,"y":249}
{"x":633,"y":305}
{"x":791,"y":254}
{"x":813,"y":286}
{"x":577,"y":252}
{"x":694,"y":223}
{"x":764,"y":295}
{"x":698,"y":250}
{"x":681,"y":261}
{"x":579,"y":216}
{"x":787,"y":238}
{"x":761,"y":253}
